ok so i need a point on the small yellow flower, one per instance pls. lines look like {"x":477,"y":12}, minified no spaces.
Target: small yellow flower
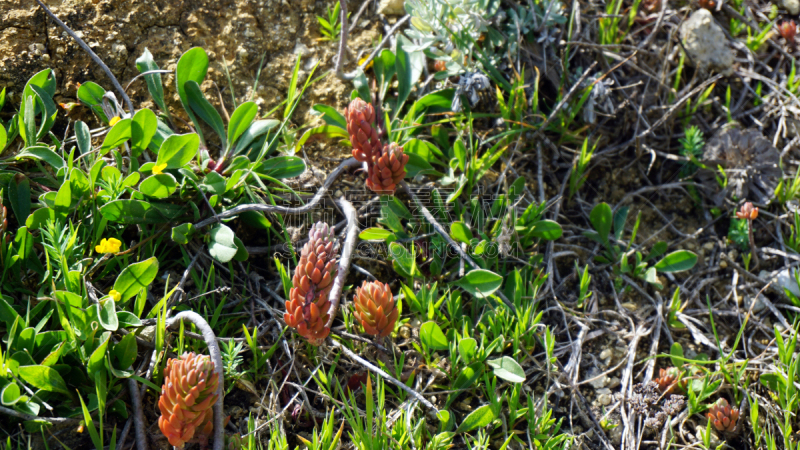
{"x":362,"y":60}
{"x":111,"y":245}
{"x":115,"y":295}
{"x":159,"y":168}
{"x":114,"y":120}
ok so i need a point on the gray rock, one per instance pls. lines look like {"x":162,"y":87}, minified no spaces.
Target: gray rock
{"x":793,"y":6}
{"x":705,"y":42}
{"x":392,"y":7}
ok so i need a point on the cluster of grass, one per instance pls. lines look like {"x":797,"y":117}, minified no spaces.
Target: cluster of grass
{"x":107,"y":232}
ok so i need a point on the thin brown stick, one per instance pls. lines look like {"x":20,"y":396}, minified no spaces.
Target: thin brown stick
{"x":347,"y":253}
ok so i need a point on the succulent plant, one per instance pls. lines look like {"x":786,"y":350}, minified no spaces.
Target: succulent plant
{"x":361,"y":127}
{"x":668,"y":379}
{"x":187,"y":397}
{"x":747,"y":211}
{"x":308,"y":308}
{"x":376,"y":308}
{"x":387,"y":169}
{"x":723,"y":416}
{"x":750,"y":161}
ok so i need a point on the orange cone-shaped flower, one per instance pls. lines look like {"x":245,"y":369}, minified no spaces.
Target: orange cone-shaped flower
{"x":387,"y":169}
{"x":364,"y":136}
{"x":375,"y":308}
{"x":668,"y":379}
{"x":722,"y":416}
{"x":187,"y":396}
{"x":308,"y":307}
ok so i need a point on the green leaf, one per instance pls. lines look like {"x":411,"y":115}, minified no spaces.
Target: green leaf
{"x":192,"y":66}
{"x":3,"y":137}
{"x":460,"y":232}
{"x":508,"y":369}
{"x":118,"y":135}
{"x":10,"y":394}
{"x":143,"y":128}
{"x":131,"y":212}
{"x":178,"y":150}
{"x":96,"y":365}
{"x":27,"y":121}
{"x":619,"y":221}
{"x":19,"y":192}
{"x":256,"y":129}
{"x":676,"y":354}
{"x":128,"y":319}
{"x":39,"y":218}
{"x":601,"y":220}
{"x":222,"y":245}
{"x":403,"y":258}
{"x":180,"y":234}
{"x":107,"y":314}
{"x":547,"y":229}
{"x":159,"y":186}
{"x":374,"y":234}
{"x":204,"y":109}
{"x":677,"y":261}
{"x":460,"y":151}
{"x":43,"y":377}
{"x":144,"y":64}
{"x":282,"y":167}
{"x":432,"y":336}
{"x":329,"y":131}
{"x":91,"y":94}
{"x":125,"y":351}
{"x":467,"y":348}
{"x":330,"y":115}
{"x":476,"y":419}
{"x":136,"y":277}
{"x":83,"y":138}
{"x":42,"y":153}
{"x":466,"y":379}
{"x":480,"y":283}
{"x":383,"y":66}
{"x":240,"y":121}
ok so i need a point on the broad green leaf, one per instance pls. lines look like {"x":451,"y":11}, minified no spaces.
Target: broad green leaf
{"x":330,"y":115}
{"x":91,"y":94}
{"x":619,"y":221}
{"x":467,"y":348}
{"x":547,"y":229}
{"x":143,"y":128}
{"x":432,"y":336}
{"x":118,"y":135}
{"x":460,"y":232}
{"x":460,"y":151}
{"x":128,"y":319}
{"x":96,"y":359}
{"x":677,"y":261}
{"x":403,"y":258}
{"x":43,"y":377}
{"x":480,"y":283}
{"x":465,"y":380}
{"x":282,"y":167}
{"x":144,"y":64}
{"x":125,"y":351}
{"x":180,"y":234}
{"x":329,"y":131}
{"x":178,"y":150}
{"x":3,"y":137}
{"x":192,"y":66}
{"x":508,"y":369}
{"x":42,"y":153}
{"x":107,"y":314}
{"x":256,"y":129}
{"x":222,"y":245}
{"x":159,"y":186}
{"x":476,"y":419}
{"x":83,"y":138}
{"x":10,"y":394}
{"x":240,"y":121}
{"x":39,"y":218}
{"x":136,"y":277}
{"x":130,"y":212}
{"x":19,"y":193}
{"x":383,"y":66}
{"x":374,"y":234}
{"x":601,"y":220}
{"x":204,"y":109}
